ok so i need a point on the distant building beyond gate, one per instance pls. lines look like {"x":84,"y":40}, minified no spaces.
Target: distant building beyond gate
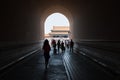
{"x":59,"y":32}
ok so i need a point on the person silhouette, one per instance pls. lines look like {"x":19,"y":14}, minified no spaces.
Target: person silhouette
{"x":58,"y":45}
{"x":62,"y":46}
{"x":54,"y":46}
{"x":46,"y":48}
{"x":71,"y":45}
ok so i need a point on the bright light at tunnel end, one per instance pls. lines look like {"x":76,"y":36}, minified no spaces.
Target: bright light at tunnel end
{"x":55,"y":19}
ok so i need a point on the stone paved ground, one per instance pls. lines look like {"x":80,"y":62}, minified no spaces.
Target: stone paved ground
{"x":33,"y":69}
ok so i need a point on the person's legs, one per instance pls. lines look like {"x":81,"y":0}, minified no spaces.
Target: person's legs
{"x":54,"y":50}
{"x":58,"y":49}
{"x":72,"y":49}
{"x":46,"y":61}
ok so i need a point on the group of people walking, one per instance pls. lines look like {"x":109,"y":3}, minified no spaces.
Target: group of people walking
{"x":62,"y":45}
{"x":59,"y":44}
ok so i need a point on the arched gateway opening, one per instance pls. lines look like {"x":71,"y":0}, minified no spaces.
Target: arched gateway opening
{"x":56,"y":27}
{"x":56,"y":9}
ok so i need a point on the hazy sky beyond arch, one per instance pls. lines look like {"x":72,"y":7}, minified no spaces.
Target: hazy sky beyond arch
{"x":55,"y":19}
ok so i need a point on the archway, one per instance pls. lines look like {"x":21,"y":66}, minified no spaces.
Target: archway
{"x":57,"y":26}
{"x":55,"y":9}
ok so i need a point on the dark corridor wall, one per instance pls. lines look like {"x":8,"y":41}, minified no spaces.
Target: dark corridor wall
{"x":20,"y":22}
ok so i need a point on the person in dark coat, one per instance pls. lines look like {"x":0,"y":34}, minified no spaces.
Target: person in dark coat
{"x":46,"y":48}
{"x":62,"y":47}
{"x":71,"y":45}
{"x":54,"y":46}
{"x":58,"y":45}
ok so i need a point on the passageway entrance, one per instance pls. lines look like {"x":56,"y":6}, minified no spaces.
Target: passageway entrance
{"x":56,"y":26}
{"x":54,"y":10}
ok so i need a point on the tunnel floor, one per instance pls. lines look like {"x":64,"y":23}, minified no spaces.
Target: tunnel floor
{"x":62,"y":66}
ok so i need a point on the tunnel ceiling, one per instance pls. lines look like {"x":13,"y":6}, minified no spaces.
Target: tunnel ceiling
{"x":22,"y":20}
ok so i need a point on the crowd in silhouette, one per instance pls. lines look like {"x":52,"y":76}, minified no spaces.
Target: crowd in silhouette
{"x":62,"y":45}
{"x":57,"y":47}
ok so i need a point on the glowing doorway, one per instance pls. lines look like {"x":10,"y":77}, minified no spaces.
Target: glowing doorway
{"x":58,"y":22}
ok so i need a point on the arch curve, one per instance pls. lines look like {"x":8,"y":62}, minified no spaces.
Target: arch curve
{"x":55,"y":9}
